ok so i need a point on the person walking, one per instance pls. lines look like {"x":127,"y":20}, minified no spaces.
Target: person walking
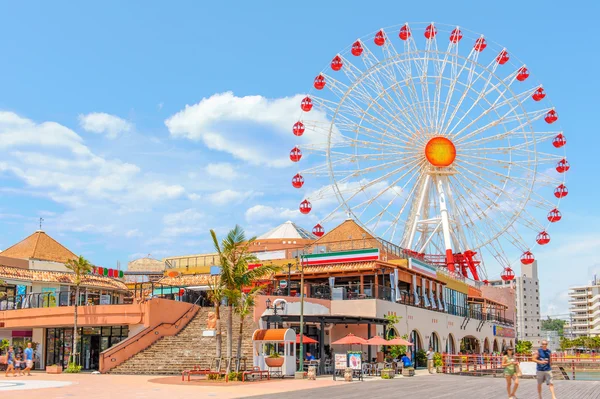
{"x":544,"y":369}
{"x":510,"y":364}
{"x":430,"y":353}
{"x":10,"y":361}
{"x":28,"y":359}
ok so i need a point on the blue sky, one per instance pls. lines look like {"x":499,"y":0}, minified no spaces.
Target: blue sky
{"x":102,"y":79}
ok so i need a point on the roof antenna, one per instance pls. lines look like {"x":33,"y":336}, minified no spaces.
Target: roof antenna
{"x":41,"y":220}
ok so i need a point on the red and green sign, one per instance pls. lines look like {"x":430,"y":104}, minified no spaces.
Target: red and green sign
{"x":360,"y":255}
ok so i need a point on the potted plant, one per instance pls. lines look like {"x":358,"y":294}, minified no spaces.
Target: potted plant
{"x":387,"y":374}
{"x":54,"y":369}
{"x":421,"y":358}
{"x":437,"y":362}
{"x":408,"y":371}
{"x":274,"y":360}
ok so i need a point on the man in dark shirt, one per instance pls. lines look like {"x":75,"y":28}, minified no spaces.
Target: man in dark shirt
{"x":544,"y":370}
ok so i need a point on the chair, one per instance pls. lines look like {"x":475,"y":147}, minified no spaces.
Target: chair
{"x":367,"y":368}
{"x":380,"y":366}
{"x":328,"y":367}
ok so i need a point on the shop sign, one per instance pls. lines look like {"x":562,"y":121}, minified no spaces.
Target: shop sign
{"x":283,"y":284}
{"x":355,"y":360}
{"x":504,"y":332}
{"x":104,"y":299}
{"x":361,"y":255}
{"x":422,"y":268}
{"x":341,"y":361}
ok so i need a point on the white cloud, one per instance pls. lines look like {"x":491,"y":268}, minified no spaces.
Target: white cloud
{"x":223,"y":122}
{"x":133,"y":233}
{"x":189,"y":216}
{"x":222,"y":170}
{"x":100,"y":122}
{"x":226,"y":197}
{"x":53,"y":161}
{"x":259,"y":213}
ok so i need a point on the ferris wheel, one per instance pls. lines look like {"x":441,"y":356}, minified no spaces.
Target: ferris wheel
{"x":437,"y":140}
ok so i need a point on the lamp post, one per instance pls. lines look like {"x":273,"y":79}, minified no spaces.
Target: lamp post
{"x":289,"y":265}
{"x":275,"y":318}
{"x":301,"y":313}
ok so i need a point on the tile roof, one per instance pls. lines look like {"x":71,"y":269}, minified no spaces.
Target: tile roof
{"x":337,"y":268}
{"x":14,"y":273}
{"x":39,"y":246}
{"x":287,"y":230}
{"x":187,"y":280}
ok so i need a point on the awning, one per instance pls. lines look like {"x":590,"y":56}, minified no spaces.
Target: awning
{"x":199,"y":288}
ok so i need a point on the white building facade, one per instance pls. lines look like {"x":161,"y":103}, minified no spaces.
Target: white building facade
{"x":584,"y":308}
{"x":527,"y":303}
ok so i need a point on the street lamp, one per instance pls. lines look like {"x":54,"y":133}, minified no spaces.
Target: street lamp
{"x":289,"y":265}
{"x":275,"y":318}
{"x":300,"y":267}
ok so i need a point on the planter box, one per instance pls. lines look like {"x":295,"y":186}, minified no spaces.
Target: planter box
{"x":387,"y":374}
{"x":408,"y":372}
{"x":54,"y":369}
{"x":274,"y":362}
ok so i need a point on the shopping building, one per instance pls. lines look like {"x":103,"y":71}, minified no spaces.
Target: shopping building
{"x":584,"y":308}
{"x":527,"y":303}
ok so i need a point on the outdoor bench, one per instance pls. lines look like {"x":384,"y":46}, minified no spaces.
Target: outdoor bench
{"x":256,"y":371}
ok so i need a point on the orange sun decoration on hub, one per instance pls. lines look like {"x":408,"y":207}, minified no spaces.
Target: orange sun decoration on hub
{"x":440,"y":152}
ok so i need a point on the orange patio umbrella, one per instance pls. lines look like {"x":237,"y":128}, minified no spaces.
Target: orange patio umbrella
{"x":350,"y":339}
{"x":377,"y":340}
{"x":399,"y":341}
{"x":305,"y":339}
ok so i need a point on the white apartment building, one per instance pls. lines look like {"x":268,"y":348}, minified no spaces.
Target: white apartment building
{"x":584,"y":307}
{"x":527,"y":303}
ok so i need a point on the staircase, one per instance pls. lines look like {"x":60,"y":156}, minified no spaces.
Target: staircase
{"x":172,"y":354}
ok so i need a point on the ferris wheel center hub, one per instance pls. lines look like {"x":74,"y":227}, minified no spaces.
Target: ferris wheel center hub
{"x":440,"y":152}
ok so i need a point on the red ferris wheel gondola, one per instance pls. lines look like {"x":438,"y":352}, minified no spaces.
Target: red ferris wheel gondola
{"x":551,"y":116}
{"x":503,"y":57}
{"x":318,"y":230}
{"x":554,"y":215}
{"x":357,"y":48}
{"x":306,"y":104}
{"x":456,"y":35}
{"x":543,"y":238}
{"x":523,"y":74}
{"x":430,"y":32}
{"x":305,"y":207}
{"x":319,"y":82}
{"x":538,"y":94}
{"x":562,"y":166}
{"x":507,"y":274}
{"x":559,"y":141}
{"x":561,"y":191}
{"x":527,"y":258}
{"x":297,"y":181}
{"x":336,"y":63}
{"x":480,"y":44}
{"x":379,"y":38}
{"x":404,"y":32}
{"x":298,"y":128}
{"x":295,"y":154}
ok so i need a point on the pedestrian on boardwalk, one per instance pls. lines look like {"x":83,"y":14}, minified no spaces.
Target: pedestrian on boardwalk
{"x":544,"y":369}
{"x":28,"y":358}
{"x":430,"y":353}
{"x":510,"y":365}
{"x":10,"y":361}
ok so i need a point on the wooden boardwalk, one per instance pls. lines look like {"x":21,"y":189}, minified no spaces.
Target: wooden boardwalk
{"x":444,"y":386}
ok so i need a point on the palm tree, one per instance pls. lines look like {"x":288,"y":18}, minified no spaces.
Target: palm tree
{"x":216,"y":295}
{"x":243,"y":307}
{"x":79,"y":267}
{"x":234,"y":256}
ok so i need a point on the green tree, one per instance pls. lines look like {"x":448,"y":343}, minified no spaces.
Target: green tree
{"x":243,"y":307}
{"x":234,"y":256}
{"x":523,"y":347}
{"x":554,"y":325}
{"x":216,"y":296}
{"x":80,"y":267}
{"x":565,"y":343}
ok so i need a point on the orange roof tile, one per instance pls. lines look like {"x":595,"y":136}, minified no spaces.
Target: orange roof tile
{"x":336,"y":268}
{"x":89,"y":280}
{"x":39,"y":246}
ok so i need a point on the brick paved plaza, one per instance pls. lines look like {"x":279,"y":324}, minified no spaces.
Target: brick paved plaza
{"x":123,"y":386}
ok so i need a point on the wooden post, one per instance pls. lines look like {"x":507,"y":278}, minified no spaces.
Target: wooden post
{"x":376,"y":286}
{"x":362,"y":284}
